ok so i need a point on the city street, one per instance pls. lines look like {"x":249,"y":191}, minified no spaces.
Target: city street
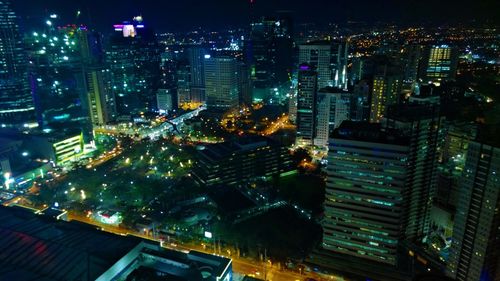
{"x":241,"y":266}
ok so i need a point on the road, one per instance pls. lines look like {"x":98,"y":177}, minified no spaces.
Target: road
{"x":243,"y":266}
{"x":281,"y":123}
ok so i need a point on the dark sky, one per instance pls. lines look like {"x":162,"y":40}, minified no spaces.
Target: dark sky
{"x":173,"y":15}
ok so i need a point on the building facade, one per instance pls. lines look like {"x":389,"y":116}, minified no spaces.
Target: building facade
{"x":364,"y":208}
{"x":306,"y":105}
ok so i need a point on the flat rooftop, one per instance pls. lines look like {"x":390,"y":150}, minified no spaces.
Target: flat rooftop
{"x":37,"y":247}
{"x":369,"y":132}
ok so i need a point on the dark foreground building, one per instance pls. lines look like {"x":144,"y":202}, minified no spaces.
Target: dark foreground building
{"x":39,"y":247}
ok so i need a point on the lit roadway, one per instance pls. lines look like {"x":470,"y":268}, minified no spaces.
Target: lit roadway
{"x":281,"y":123}
{"x":241,"y":266}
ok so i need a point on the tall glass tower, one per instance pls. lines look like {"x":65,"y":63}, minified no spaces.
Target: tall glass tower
{"x":16,"y":102}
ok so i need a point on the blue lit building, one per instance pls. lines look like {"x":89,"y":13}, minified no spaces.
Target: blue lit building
{"x":16,"y":102}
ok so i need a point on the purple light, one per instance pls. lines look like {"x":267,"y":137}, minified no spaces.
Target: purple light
{"x":118,"y":26}
{"x":305,"y":67}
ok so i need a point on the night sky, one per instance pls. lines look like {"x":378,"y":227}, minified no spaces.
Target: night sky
{"x":175,"y":15}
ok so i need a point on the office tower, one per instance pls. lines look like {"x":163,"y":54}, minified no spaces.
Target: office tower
{"x":364,"y":206}
{"x":16,"y":102}
{"x":56,"y":63}
{"x":330,"y":60}
{"x":244,"y":84}
{"x":412,"y":54}
{"x":439,"y":63}
{"x":458,"y":137}
{"x":476,"y":233}
{"x":333,"y":107}
{"x":221,"y":82}
{"x":385,"y":92}
{"x":270,"y":50}
{"x":237,"y":162}
{"x":101,"y":100}
{"x":360,"y":102}
{"x":423,"y":125}
{"x":306,"y":105}
{"x":340,"y":52}
{"x":164,"y":101}
{"x":292,"y":104}
{"x":318,"y":55}
{"x":183,"y":76}
{"x":196,"y":57}
{"x":134,"y":58}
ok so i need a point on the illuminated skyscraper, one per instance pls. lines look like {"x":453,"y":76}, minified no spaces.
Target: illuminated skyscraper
{"x":306,"y":105}
{"x":333,"y":107}
{"x":16,"y":101}
{"x":423,"y":125}
{"x":270,"y":50}
{"x":196,"y":57}
{"x":440,"y":63}
{"x":476,"y":232}
{"x":385,"y":92}
{"x":101,"y":100}
{"x":364,"y":206}
{"x":221,"y":82}
{"x":329,"y":59}
{"x":318,"y":55}
{"x":134,"y":59}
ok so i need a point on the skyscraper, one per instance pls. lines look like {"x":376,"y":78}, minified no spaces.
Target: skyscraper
{"x":476,"y":232}
{"x":16,"y":101}
{"x":270,"y":50}
{"x":333,"y":107}
{"x":221,"y":82}
{"x":423,"y":125}
{"x":364,"y":211}
{"x":196,"y":57}
{"x":134,"y":58}
{"x":306,"y":105}
{"x":330,"y":60}
{"x":385,"y":92}
{"x":439,"y":63}
{"x":318,"y":55}
{"x":101,"y":100}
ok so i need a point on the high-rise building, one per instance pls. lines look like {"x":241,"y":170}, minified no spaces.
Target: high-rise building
{"x":360,"y":102}
{"x":385,"y":92}
{"x":221,"y":82}
{"x":101,"y":100}
{"x":329,"y":59}
{"x":306,"y":105}
{"x":476,"y":233}
{"x":196,"y":57}
{"x":244,"y":84}
{"x":183,"y":84}
{"x":16,"y":102}
{"x":364,"y":206}
{"x":340,"y":53}
{"x":423,"y":125}
{"x":412,"y":54}
{"x":319,"y":56}
{"x":164,"y":101}
{"x":333,"y":107}
{"x":134,"y":58}
{"x":439,"y":63}
{"x":270,"y":50}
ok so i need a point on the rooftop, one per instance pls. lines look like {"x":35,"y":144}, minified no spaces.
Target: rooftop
{"x":369,"y":132}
